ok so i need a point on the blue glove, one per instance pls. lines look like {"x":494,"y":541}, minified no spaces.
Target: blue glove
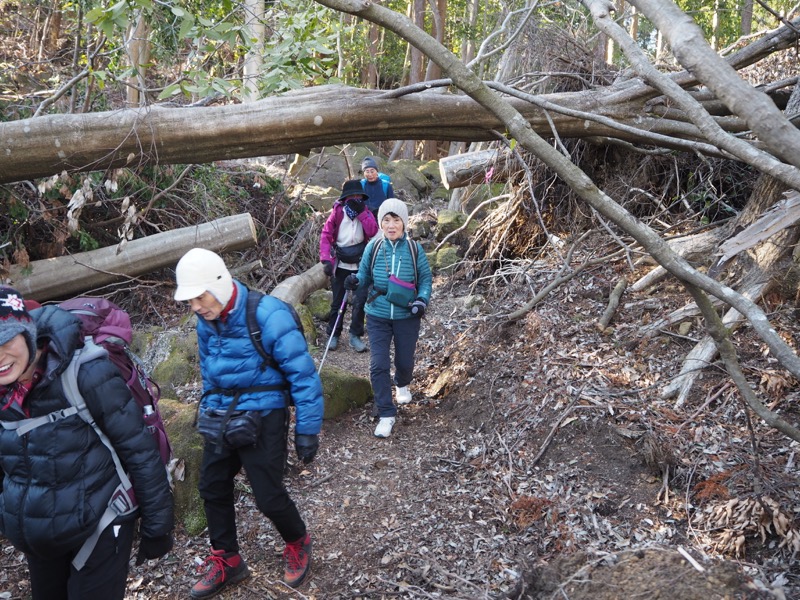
{"x":327,"y":266}
{"x":306,"y":447}
{"x":351,"y":282}
{"x":418,"y":307}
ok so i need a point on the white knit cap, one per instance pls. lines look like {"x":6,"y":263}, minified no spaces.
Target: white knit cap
{"x":393,"y":205}
{"x":202,"y":270}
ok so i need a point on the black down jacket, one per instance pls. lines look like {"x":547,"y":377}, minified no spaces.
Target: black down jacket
{"x":59,"y":477}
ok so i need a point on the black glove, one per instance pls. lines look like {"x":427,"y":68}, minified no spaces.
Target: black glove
{"x":351,"y":282}
{"x":327,"y":266}
{"x":355,"y":204}
{"x":306,"y":446}
{"x":418,"y":307}
{"x":153,"y":547}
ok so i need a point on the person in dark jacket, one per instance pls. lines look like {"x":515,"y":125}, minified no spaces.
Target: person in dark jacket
{"x":401,"y":291}
{"x":59,"y":477}
{"x":376,"y":189}
{"x":234,"y":371}
{"x":342,"y":241}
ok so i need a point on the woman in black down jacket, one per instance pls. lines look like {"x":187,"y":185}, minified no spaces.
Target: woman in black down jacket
{"x":59,"y":477}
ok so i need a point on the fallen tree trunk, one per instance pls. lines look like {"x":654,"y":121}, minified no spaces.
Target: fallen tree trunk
{"x":299,"y":121}
{"x":69,"y":275}
{"x":296,"y":289}
{"x":461,"y":170}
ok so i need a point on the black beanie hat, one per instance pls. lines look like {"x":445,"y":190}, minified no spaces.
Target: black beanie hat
{"x":14,"y":319}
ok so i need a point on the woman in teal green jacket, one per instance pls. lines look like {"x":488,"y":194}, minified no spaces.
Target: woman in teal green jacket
{"x":398,"y":272}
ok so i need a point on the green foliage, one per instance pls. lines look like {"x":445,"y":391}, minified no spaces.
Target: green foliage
{"x":86,"y":242}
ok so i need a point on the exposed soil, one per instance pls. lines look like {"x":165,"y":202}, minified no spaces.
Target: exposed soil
{"x":536,"y":461}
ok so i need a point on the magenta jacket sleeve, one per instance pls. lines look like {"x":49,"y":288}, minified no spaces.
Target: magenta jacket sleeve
{"x":327,"y":238}
{"x":369,"y":224}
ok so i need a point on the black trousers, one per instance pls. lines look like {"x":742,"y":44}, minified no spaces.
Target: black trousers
{"x":359,"y":299}
{"x":264,"y":464}
{"x":103,"y":576}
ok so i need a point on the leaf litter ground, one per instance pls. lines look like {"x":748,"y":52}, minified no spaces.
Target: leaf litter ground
{"x":536,"y":461}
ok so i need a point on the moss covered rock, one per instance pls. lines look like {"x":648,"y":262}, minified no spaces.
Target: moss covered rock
{"x":446,"y":258}
{"x":309,"y":327}
{"x":343,"y":391}
{"x":187,"y":450}
{"x":319,"y":303}
{"x":448,"y":221}
{"x":175,"y":356}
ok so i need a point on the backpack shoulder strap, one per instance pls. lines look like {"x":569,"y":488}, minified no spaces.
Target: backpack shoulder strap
{"x":254,"y":329}
{"x":413,"y":246}
{"x":122,"y":501}
{"x":374,"y":254}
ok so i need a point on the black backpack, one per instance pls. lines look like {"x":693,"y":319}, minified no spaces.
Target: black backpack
{"x":254,"y":329}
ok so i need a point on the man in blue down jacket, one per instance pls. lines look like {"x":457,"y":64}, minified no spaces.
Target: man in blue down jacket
{"x":59,"y":477}
{"x":232,"y":368}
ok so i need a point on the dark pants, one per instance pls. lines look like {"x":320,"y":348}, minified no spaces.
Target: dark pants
{"x":359,"y":298}
{"x":405,"y":333}
{"x":264,"y":463}
{"x":103,"y":576}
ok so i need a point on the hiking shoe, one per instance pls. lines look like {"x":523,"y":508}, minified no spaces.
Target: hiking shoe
{"x":403,"y":394}
{"x":357,"y":344}
{"x":297,"y":561}
{"x":384,"y":428}
{"x":224,"y":569}
{"x":334,"y":343}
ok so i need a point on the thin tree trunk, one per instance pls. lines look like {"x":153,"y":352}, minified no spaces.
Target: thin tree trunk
{"x":254,"y":59}
{"x":747,"y":17}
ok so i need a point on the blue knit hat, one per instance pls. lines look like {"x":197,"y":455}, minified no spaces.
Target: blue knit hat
{"x":369,"y":163}
{"x":15,"y":319}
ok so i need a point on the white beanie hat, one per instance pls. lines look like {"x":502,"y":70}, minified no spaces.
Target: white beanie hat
{"x":200,"y":271}
{"x":393,"y":205}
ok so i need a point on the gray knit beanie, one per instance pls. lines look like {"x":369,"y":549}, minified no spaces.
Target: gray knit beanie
{"x":395,"y":206}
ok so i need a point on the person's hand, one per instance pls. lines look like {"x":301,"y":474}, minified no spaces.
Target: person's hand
{"x":306,"y":447}
{"x":418,"y":307}
{"x":153,"y":547}
{"x":351,"y":282}
{"x":356,"y":204}
{"x":327,"y":266}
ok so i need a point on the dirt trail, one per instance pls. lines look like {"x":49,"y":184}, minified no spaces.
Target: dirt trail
{"x":503,"y":487}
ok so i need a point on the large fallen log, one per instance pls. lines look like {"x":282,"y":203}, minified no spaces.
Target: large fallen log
{"x":296,"y":289}
{"x":461,"y":170}
{"x":296,"y":121}
{"x":66,"y":276}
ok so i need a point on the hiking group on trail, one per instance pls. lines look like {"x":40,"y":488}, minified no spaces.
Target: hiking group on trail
{"x":77,"y":438}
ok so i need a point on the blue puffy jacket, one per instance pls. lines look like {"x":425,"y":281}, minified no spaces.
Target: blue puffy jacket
{"x":392,"y":258}
{"x":228,"y":360}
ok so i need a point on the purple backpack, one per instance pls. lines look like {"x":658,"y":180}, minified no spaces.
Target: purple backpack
{"x":110,"y":328}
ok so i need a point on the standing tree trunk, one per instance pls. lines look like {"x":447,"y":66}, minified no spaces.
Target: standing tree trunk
{"x":371,"y":79}
{"x":138,"y":48}
{"x":254,"y":59}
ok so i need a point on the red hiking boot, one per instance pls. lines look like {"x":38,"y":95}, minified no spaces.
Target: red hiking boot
{"x":223,"y":569}
{"x":297,"y":561}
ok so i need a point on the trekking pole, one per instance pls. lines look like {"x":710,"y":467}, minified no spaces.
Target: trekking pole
{"x":333,"y":331}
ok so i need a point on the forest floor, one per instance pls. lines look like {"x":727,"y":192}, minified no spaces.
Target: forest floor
{"x":536,"y":461}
